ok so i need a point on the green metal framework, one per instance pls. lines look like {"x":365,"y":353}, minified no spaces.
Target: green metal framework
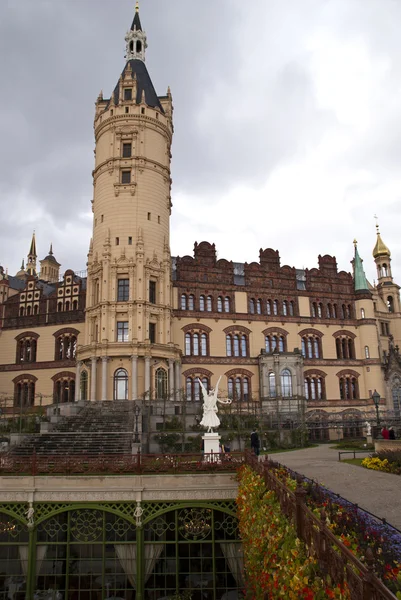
{"x":120,"y":550}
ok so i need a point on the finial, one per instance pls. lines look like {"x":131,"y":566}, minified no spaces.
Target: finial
{"x":377,"y":224}
{"x":355,"y":243}
{"x":51,"y":249}
{"x":137,"y":6}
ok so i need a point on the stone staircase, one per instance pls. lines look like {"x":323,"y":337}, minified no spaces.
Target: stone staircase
{"x":99,"y":428}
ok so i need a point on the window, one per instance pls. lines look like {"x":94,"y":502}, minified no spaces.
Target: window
{"x":128,"y":94}
{"x":269,"y":307}
{"x":196,"y":344}
{"x":314,"y":309}
{"x":362,"y":313}
{"x":191,"y":302}
{"x":320,"y":310}
{"x":66,"y":345}
{"x":311,"y":346}
{"x":236,"y":344}
{"x":125,"y":177}
{"x":390,"y":304}
{"x":149,"y":216}
{"x":291,"y":307}
{"x":367,"y":353}
{"x":184,"y":302}
{"x":349,"y":389}
{"x":285,"y":308}
{"x":275,"y":307}
{"x":209,"y":304}
{"x":238,"y":388}
{"x":286,"y":383}
{"x":121,"y":385}
{"x":122,"y":331}
{"x":314,"y":387}
{"x":123,"y":290}
{"x":152,"y":333}
{"x":345,"y":347}
{"x":202,"y":303}
{"x":127,"y":149}
{"x":193,"y":388}
{"x":130,"y":241}
{"x":219,"y":304}
{"x":275,"y":343}
{"x":227,"y":304}
{"x":272,"y":385}
{"x":252,"y":306}
{"x":152,"y":292}
{"x":161,"y":384}
{"x":26,"y":348}
{"x":84,"y":386}
{"x":64,"y":388}
{"x":24,"y":391}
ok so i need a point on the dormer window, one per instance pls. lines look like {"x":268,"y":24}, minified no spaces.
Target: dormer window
{"x":127,"y":94}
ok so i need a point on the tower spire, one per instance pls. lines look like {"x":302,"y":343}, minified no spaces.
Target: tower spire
{"x":382,"y":256}
{"x":360,"y":281}
{"x":136,"y":39}
{"x":32,"y":256}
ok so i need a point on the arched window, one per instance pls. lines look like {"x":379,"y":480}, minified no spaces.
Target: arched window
{"x":67,"y":305}
{"x":59,"y":306}
{"x":328,"y":311}
{"x":193,"y":389}
{"x":345,"y":347}
{"x":66,"y":346}
{"x":252,"y":306}
{"x":390,"y":304}
{"x":314,"y":387}
{"x":275,"y":343}
{"x":209,"y":304}
{"x":367,"y":353}
{"x":314,"y":309}
{"x":275,"y":307}
{"x":272,"y":385}
{"x":285,"y":308}
{"x":384,"y":270}
{"x":26,"y":348}
{"x":21,"y":311}
{"x":349,"y":389}
{"x":24,"y":391}
{"x":191,"y":302}
{"x":320,"y":310}
{"x":219,"y":304}
{"x":35,"y":309}
{"x":184,"y":304}
{"x":196,"y":343}
{"x":259,"y":307}
{"x":202,"y":303}
{"x":269,"y":307}
{"x":291,"y":306}
{"x":75,"y":305}
{"x":286,"y":383}
{"x":334,"y":311}
{"x":238,"y":388}
{"x":236,"y":344}
{"x":161,"y":384}
{"x":311,"y":346}
{"x":64,"y":388}
{"x":121,"y":385}
{"x":227,"y":304}
{"x":28,"y":311}
{"x":362,"y":313}
{"x":84,"y":386}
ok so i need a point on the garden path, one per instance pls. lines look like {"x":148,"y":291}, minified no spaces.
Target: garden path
{"x":374,"y":491}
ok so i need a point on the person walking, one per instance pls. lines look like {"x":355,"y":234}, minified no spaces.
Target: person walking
{"x":385,"y":433}
{"x":255,"y":441}
{"x":391,"y":434}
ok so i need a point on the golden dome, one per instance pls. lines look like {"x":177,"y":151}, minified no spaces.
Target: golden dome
{"x":380,"y":249}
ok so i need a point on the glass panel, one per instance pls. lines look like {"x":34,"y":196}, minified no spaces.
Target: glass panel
{"x":286,"y":383}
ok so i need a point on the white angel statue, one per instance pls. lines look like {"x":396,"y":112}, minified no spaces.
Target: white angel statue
{"x":210,"y":418}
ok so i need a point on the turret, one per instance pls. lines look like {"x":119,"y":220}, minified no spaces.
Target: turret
{"x":32,"y":256}
{"x":387,"y":289}
{"x":50,"y":268}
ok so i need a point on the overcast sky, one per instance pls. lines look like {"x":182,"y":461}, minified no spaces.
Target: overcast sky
{"x":287,"y":123}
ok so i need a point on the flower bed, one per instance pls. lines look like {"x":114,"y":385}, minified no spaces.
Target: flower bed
{"x":388,"y":461}
{"x":275,"y":560}
{"x":355,"y":528}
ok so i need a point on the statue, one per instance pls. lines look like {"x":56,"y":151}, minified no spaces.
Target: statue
{"x":29,"y":516}
{"x":210,"y":418}
{"x":368,"y":428}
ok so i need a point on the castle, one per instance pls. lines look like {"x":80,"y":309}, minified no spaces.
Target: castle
{"x":143,"y":324}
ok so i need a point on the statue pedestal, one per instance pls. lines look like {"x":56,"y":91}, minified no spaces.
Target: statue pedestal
{"x":369,"y":439}
{"x":211,"y":447}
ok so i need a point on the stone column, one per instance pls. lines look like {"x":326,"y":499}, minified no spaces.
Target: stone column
{"x":177,"y":380}
{"x":93,"y":378}
{"x":104,"y":377}
{"x":78,"y":381}
{"x":147,"y":377}
{"x":134,"y":380}
{"x":171,"y":378}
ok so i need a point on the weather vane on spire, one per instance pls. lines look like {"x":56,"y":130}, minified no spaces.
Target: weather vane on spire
{"x":377,"y":223}
{"x":137,"y":6}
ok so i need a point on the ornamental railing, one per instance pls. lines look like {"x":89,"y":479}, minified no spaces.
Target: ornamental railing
{"x":333,"y":557}
{"x":119,"y":464}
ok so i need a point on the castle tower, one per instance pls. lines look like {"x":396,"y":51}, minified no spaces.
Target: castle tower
{"x":387,"y":289}
{"x":50,"y":268}
{"x":128,"y":312}
{"x":32,"y":256}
